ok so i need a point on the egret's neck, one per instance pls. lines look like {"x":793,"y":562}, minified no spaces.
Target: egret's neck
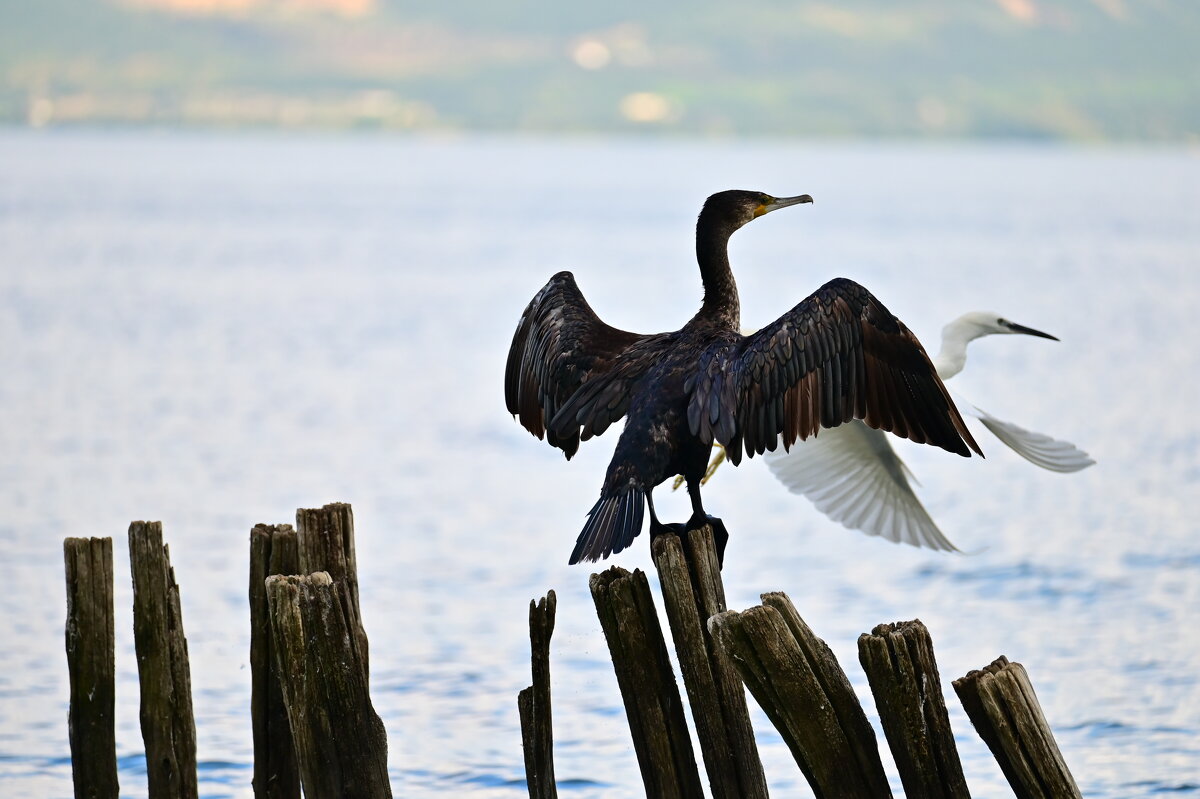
{"x":951,"y":359}
{"x":720,"y":289}
{"x":948,"y":364}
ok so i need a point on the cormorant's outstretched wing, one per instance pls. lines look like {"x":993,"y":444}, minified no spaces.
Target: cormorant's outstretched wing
{"x":853,"y":476}
{"x":565,"y":377}
{"x":837,"y":356}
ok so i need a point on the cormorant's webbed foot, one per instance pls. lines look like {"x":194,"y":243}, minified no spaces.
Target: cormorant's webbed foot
{"x":720,"y":534}
{"x":675,"y":528}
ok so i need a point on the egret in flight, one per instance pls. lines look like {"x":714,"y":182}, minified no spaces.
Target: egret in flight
{"x":839,"y":355}
{"x":853,"y":476}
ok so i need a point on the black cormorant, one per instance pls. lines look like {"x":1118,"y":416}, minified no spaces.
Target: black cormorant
{"x":838,"y":355}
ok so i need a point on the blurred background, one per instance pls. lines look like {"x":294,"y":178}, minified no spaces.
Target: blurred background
{"x":1081,"y":70}
{"x":256,"y":256}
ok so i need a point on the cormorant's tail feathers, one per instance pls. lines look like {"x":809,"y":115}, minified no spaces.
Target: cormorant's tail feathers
{"x":613,"y":523}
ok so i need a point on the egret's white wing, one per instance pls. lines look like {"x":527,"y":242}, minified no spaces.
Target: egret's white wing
{"x":853,"y":476}
{"x":1038,"y":449}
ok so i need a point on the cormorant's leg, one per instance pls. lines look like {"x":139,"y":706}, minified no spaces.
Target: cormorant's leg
{"x":700,"y":518}
{"x":717,"y":460}
{"x":656,"y":527}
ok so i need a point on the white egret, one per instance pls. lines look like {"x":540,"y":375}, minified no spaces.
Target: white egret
{"x":853,"y":476}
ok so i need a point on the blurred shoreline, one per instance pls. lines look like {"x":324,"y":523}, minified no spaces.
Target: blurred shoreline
{"x":1070,"y":70}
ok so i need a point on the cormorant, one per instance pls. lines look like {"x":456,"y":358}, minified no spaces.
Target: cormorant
{"x":838,"y":355}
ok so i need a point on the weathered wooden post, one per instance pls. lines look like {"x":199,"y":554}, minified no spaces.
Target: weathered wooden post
{"x":652,"y":704}
{"x":693,"y":592}
{"x":168,"y":725}
{"x":798,"y":682}
{"x":533,"y":703}
{"x":320,"y":658}
{"x":340,"y":741}
{"x":900,"y":666}
{"x":273,"y":550}
{"x":91,"y":663}
{"x":326,"y":541}
{"x":1001,"y":703}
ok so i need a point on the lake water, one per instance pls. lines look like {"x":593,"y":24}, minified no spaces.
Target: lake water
{"x":216,"y":330}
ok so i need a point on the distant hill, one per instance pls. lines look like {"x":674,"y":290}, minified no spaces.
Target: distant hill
{"x":1060,"y":69}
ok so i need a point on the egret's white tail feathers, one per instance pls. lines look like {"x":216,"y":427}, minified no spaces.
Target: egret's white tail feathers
{"x":613,"y":523}
{"x":1037,"y":448}
{"x":853,"y":476}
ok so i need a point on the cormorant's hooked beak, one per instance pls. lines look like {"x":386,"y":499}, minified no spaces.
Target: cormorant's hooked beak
{"x":783,"y":202}
{"x":1013,"y":327}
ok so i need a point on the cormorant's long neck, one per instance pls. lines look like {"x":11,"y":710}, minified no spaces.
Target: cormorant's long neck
{"x":720,"y":290}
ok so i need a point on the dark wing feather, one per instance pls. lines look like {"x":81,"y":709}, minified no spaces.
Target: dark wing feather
{"x":837,"y":356}
{"x":564,"y":359}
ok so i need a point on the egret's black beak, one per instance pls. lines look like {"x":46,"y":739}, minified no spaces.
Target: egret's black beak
{"x":1029,"y":331}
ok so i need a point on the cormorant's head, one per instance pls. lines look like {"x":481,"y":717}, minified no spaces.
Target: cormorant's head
{"x":734,"y":208}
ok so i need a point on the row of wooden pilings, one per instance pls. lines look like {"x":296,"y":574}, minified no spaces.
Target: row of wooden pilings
{"x":800,"y":686}
{"x":315,"y":728}
{"x":314,"y":725}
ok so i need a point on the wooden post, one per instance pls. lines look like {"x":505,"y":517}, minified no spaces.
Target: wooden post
{"x":340,"y":741}
{"x":273,"y":550}
{"x":326,"y":540}
{"x":168,"y":726}
{"x":1001,"y":703}
{"x":647,"y":682}
{"x":900,"y":666}
{"x":798,"y":682}
{"x":533,"y":703}
{"x":91,"y":662}
{"x":693,"y":592}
